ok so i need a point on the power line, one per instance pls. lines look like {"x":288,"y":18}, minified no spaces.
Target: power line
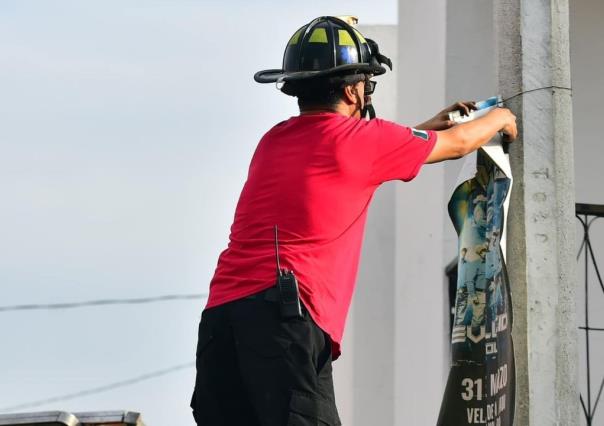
{"x":101,"y":302}
{"x":99,"y":389}
{"x":535,"y":90}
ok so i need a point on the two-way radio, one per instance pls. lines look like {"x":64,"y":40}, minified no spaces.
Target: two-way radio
{"x":289,"y":302}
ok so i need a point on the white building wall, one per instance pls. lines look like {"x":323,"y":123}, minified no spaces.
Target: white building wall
{"x":421,"y":315}
{"x":587,"y":76}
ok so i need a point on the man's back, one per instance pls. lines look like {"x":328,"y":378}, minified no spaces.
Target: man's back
{"x":313,"y":176}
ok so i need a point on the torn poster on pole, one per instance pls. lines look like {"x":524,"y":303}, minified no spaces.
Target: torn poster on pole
{"x":481,"y":385}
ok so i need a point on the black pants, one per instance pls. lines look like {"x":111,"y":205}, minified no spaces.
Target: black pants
{"x":256,"y":369}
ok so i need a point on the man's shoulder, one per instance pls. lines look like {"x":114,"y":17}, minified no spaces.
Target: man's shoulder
{"x":333,"y":123}
{"x":305,"y":121}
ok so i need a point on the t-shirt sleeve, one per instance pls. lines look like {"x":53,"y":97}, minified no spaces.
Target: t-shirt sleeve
{"x":400,"y":151}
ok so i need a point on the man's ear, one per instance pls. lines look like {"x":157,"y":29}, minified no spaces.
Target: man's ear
{"x":350,"y":94}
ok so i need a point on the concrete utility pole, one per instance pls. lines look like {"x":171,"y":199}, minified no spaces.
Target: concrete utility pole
{"x":533,"y":53}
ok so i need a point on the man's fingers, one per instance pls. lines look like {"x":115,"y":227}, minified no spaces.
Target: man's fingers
{"x":514,"y":128}
{"x":463,"y":108}
{"x":514,"y":133}
{"x":510,"y":133}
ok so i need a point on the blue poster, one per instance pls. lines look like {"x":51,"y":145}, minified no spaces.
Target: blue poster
{"x":481,"y":384}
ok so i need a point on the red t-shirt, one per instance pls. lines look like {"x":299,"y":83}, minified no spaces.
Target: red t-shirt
{"x":313,"y":176}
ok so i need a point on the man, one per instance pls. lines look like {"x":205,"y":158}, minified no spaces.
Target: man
{"x":265,"y":344}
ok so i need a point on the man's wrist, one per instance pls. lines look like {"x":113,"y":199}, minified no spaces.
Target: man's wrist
{"x":503,"y":117}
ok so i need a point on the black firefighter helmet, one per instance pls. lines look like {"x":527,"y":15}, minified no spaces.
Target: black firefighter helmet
{"x":325,"y":47}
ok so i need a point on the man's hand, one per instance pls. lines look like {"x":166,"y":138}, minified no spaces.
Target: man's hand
{"x":441,"y":120}
{"x":467,"y":137}
{"x":509,"y":130}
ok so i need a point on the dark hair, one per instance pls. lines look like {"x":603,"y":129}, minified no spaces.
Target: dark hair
{"x":320,"y":92}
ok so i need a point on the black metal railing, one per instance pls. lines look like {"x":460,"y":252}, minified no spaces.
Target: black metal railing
{"x":587,"y":214}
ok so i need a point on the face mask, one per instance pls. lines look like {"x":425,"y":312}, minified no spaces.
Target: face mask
{"x":368,"y":110}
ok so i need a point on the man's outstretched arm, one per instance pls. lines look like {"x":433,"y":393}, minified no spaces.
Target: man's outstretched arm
{"x":465,"y":138}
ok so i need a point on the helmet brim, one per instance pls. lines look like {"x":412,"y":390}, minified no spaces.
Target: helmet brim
{"x":273,"y":75}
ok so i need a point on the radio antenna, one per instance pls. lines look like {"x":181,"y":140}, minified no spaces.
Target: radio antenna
{"x":277,"y":252}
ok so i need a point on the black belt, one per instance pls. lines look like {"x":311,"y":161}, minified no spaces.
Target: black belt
{"x":271,"y":294}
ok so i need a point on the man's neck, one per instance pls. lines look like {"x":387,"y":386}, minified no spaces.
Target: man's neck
{"x":340,"y":108}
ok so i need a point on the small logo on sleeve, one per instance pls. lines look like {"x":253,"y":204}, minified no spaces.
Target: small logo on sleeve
{"x":420,"y":134}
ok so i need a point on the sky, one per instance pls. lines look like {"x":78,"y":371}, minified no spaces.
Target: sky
{"x":126,"y":130}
